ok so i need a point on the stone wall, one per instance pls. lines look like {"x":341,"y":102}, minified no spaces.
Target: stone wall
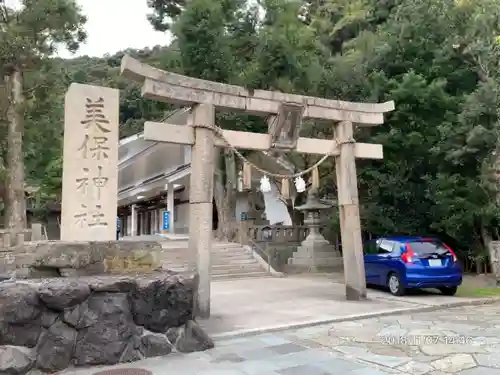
{"x":53,"y":324}
{"x":69,"y":259}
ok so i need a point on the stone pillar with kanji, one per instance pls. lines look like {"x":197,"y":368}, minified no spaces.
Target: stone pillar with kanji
{"x":90,"y":159}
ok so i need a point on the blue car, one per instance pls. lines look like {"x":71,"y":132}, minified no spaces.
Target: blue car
{"x":402,"y":263}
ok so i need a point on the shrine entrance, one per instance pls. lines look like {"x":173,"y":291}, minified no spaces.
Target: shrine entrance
{"x":286,"y":112}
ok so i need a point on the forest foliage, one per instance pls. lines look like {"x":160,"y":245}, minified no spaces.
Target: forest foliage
{"x":437,"y":59}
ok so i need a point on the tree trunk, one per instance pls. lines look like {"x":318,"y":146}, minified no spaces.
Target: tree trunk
{"x":225,"y":180}
{"x":2,"y":202}
{"x":3,"y":149}
{"x":3,"y":136}
{"x":15,"y":205}
{"x":493,"y":254}
{"x":296,"y":216}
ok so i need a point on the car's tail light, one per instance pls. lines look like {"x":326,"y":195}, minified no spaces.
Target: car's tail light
{"x":451,"y":252}
{"x":407,"y":255}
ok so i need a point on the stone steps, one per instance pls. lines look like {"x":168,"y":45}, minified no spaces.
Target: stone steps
{"x":215,"y":250}
{"x":215,"y":259}
{"x":240,"y":275}
{"x":246,"y":266}
{"x":230,"y":273}
{"x":219,"y":267}
{"x":229,"y":260}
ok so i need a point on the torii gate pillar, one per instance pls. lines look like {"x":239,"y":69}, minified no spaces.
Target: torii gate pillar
{"x":200,"y":204}
{"x":348,"y":202}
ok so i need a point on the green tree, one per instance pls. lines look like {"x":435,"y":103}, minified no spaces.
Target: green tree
{"x":28,"y":35}
{"x":215,"y":41}
{"x":435,"y":59}
{"x":227,"y":41}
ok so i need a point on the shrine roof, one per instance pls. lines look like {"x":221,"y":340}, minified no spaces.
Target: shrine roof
{"x":143,"y":164}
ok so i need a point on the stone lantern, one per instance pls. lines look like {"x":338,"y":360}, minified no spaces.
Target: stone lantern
{"x":315,"y":251}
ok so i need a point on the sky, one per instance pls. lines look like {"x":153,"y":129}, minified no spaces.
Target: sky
{"x":112,"y":26}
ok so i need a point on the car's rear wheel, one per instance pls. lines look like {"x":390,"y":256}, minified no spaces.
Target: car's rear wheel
{"x":449,"y":290}
{"x":395,"y":285}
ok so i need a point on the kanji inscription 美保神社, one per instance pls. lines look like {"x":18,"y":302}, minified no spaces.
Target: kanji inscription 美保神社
{"x":90,"y":163}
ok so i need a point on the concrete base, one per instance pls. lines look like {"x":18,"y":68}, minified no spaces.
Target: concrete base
{"x":316,"y":253}
{"x":84,"y":258}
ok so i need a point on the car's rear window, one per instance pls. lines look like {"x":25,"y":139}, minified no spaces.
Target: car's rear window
{"x":421,"y":248}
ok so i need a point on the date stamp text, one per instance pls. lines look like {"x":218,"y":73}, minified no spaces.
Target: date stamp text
{"x":418,"y":340}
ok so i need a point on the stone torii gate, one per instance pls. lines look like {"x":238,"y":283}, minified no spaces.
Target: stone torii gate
{"x":207,"y":96}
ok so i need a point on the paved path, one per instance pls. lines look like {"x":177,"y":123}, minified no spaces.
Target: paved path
{"x":249,"y":305}
{"x":256,"y":304}
{"x":460,"y":341}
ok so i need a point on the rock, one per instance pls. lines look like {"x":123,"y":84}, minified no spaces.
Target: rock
{"x":35,"y":371}
{"x":164,"y":303}
{"x":55,"y":348}
{"x":84,"y":258}
{"x":110,"y":305}
{"x":76,"y":272}
{"x":110,"y":334}
{"x":118,"y":284}
{"x":80,"y":316}
{"x":92,"y":320}
{"x":20,"y":314}
{"x":192,"y":338}
{"x":48,"y":318}
{"x":18,"y":303}
{"x":130,"y":256}
{"x":15,"y":259}
{"x":15,"y":360}
{"x":60,"y":294}
{"x":173,"y":334}
{"x":39,"y":273}
{"x":63,"y":254}
{"x":101,"y":344}
{"x":24,"y":334}
{"x":22,"y":273}
{"x":154,"y":344}
{"x":131,"y":354}
{"x":142,"y":300}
